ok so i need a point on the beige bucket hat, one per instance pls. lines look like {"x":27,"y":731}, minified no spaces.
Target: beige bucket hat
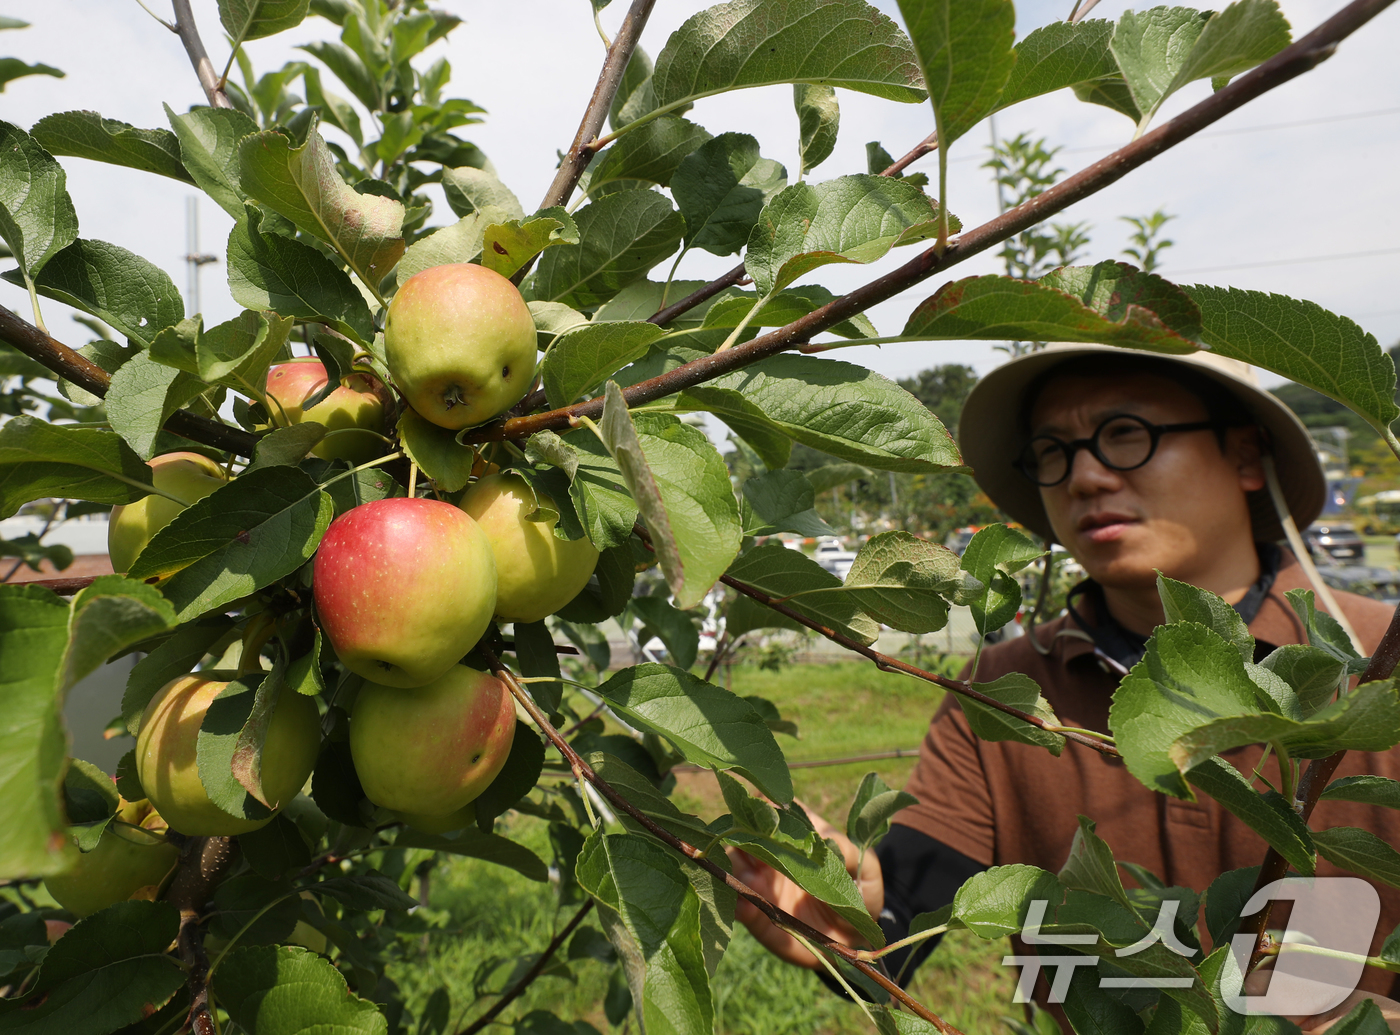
{"x":991,"y":437}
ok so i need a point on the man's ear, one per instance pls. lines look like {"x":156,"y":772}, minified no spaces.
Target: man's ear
{"x":1244,"y":447}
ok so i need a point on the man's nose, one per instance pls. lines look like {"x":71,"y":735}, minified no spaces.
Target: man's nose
{"x":1089,"y":476}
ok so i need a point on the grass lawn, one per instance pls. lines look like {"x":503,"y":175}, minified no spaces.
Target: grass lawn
{"x":489,"y":915}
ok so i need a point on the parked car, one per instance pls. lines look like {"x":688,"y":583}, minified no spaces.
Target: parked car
{"x":1332,"y":542}
{"x":834,"y":557}
{"x":959,"y":538}
{"x":1381,"y":584}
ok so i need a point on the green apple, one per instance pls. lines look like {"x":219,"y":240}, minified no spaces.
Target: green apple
{"x":169,"y":772}
{"x":431,"y":750}
{"x":404,"y":588}
{"x":186,"y":475}
{"x":537,"y":573}
{"x":460,"y":343}
{"x":463,"y":817}
{"x":131,"y":854}
{"x":353,"y":410}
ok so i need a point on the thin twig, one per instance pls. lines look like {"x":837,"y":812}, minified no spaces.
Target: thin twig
{"x":535,"y":970}
{"x":1313,"y":783}
{"x":701,"y":294}
{"x":194,"y":47}
{"x":63,"y":587}
{"x":203,"y":863}
{"x":609,"y":79}
{"x":1284,"y":66}
{"x":696,"y":855}
{"x":926,"y":146}
{"x":87,"y":375}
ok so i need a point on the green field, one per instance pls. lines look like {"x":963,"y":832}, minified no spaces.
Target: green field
{"x":483,"y":913}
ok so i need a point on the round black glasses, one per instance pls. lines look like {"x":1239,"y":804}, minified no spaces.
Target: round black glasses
{"x":1121,"y":443}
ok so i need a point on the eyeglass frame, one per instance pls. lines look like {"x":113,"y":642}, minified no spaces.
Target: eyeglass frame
{"x":1156,"y":431}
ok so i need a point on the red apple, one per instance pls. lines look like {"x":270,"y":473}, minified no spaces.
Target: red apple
{"x":404,"y":588}
{"x":432,"y":750}
{"x":461,"y":344}
{"x":169,"y":771}
{"x":536,"y":572}
{"x":189,"y":476}
{"x":353,"y":410}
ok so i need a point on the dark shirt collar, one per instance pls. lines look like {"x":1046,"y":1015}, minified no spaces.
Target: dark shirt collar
{"x":1123,"y":648}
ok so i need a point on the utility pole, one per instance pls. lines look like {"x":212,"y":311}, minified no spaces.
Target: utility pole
{"x":194,"y":258}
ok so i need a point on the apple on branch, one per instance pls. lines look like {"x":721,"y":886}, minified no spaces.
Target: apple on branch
{"x":461,"y":344}
{"x":404,"y":588}
{"x":167,"y":763}
{"x":537,"y":573}
{"x":131,"y":854}
{"x":354,"y":413}
{"x":431,"y":750}
{"x":189,"y":476}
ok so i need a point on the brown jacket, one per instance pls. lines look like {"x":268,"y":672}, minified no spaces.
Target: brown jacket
{"x":1002,"y":802}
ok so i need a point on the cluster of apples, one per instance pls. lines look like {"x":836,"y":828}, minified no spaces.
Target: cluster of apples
{"x":403,"y":587}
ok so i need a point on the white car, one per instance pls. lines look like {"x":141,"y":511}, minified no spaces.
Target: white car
{"x":834,"y":557}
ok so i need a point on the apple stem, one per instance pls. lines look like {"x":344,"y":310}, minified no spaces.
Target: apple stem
{"x":412,"y":479}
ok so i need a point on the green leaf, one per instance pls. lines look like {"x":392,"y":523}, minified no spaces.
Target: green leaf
{"x":1267,"y":814}
{"x":641,"y":791}
{"x":1324,"y":631}
{"x":143,"y":395}
{"x":89,"y":795}
{"x":681,"y":486}
{"x":1366,"y":719}
{"x":473,"y":844}
{"x":903,"y":581}
{"x":818,"y":120}
{"x":108,"y":616}
{"x":242,"y":537}
{"x":1303,"y":342}
{"x":1091,"y":866}
{"x":874,"y":805}
{"x":268,"y":271}
{"x":1369,"y":790}
{"x":675,"y":628}
{"x":1188,"y":676}
{"x":760,"y":42}
{"x":802,"y":586}
{"x":469,"y":190}
{"x":781,"y":501}
{"x":275,"y":850}
{"x":506,"y":247}
{"x":650,"y":153}
{"x":121,"y":289}
{"x":86,"y":134}
{"x":245,"y":704}
{"x":1110,"y":93}
{"x":460,"y":242}
{"x":1359,"y":851}
{"x":436,"y":450}
{"x":965,"y":52}
{"x":839,"y":408}
{"x":641,"y":883}
{"x":209,"y":151}
{"x":596,"y":487}
{"x":995,"y":902}
{"x":1020,"y":691}
{"x":371,"y":890}
{"x":634,"y":93}
{"x":254,"y":19}
{"x":288,"y":990}
{"x":237,"y":353}
{"x":517,"y":778}
{"x":1312,"y":673}
{"x":581,"y":359}
{"x":621,"y":236}
{"x":174,"y":657}
{"x":39,"y":460}
{"x":1163,"y":49}
{"x":783,"y":308}
{"x":36,"y":214}
{"x":709,"y":725}
{"x":286,"y":447}
{"x":994,"y":307}
{"x":33,"y":638}
{"x":107,"y":971}
{"x":1365,"y":1018}
{"x":302,"y":183}
{"x":13,"y":68}
{"x":1182,"y":602}
{"x":1059,"y":55}
{"x":238,"y":901}
{"x":855,"y":219}
{"x":553,"y":319}
{"x":752,"y":814}
{"x":993,"y":555}
{"x":722,"y":187}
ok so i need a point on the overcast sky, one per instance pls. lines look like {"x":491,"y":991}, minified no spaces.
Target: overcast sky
{"x":1268,"y":199}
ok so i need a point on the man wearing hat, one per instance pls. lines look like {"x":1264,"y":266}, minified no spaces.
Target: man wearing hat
{"x":1135,"y":464}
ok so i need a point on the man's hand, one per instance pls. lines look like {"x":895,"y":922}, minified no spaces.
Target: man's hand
{"x":790,"y":898}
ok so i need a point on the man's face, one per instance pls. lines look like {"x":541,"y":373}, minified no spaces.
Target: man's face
{"x":1182,"y":512}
